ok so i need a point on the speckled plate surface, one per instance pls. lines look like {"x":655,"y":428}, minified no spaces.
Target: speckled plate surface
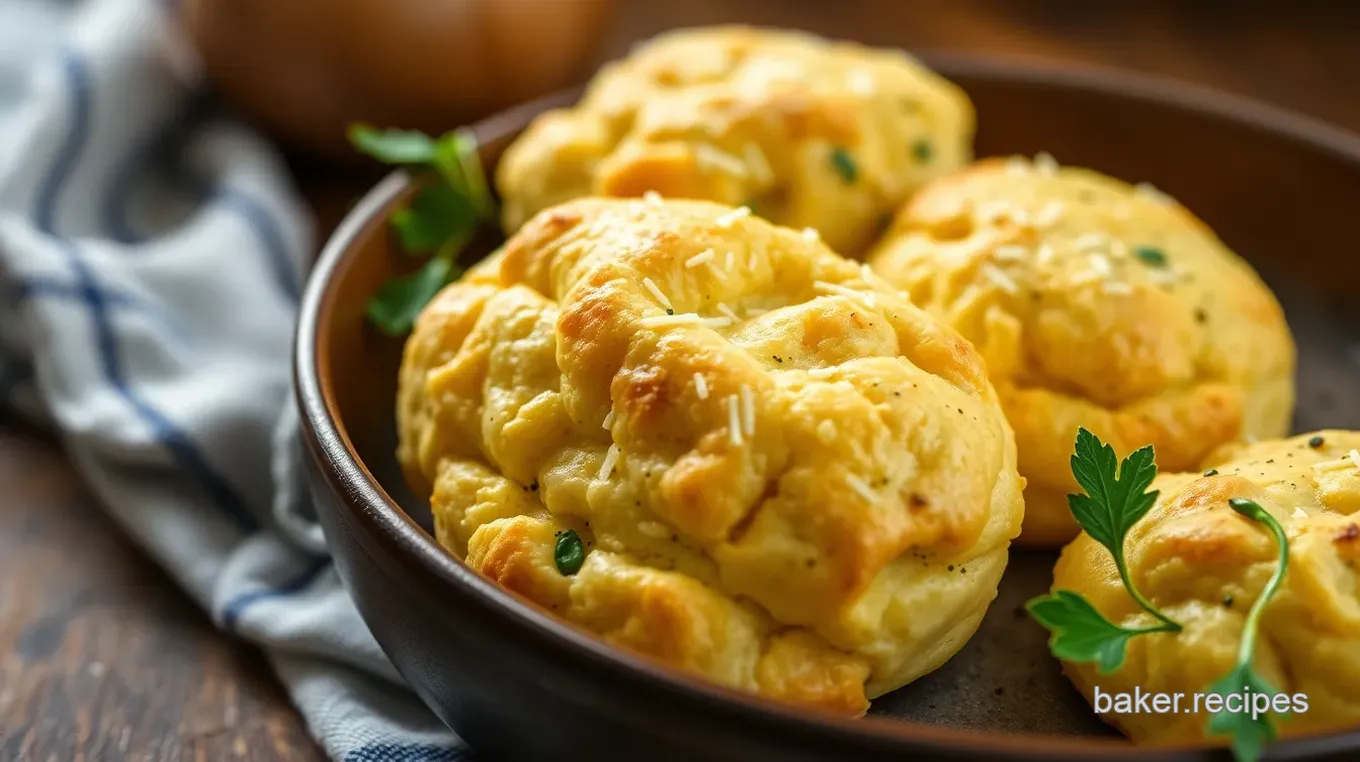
{"x":1281,"y":190}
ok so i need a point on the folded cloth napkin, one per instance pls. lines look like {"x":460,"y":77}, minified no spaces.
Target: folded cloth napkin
{"x":151,"y":253}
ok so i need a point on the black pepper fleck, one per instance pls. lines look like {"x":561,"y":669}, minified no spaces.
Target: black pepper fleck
{"x":1316,"y":442}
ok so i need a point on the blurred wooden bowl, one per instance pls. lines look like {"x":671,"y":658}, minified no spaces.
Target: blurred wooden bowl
{"x":305,"y":69}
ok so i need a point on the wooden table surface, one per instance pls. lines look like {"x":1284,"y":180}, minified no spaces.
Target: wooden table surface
{"x":101,"y":658}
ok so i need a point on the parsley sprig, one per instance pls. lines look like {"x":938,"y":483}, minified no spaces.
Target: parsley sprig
{"x":439,"y":221}
{"x":1251,"y":731}
{"x":1116,"y":498}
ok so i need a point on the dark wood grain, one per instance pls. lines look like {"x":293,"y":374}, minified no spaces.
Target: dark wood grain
{"x":101,"y":658}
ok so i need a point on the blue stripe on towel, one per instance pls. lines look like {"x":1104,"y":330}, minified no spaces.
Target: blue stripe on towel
{"x":181,"y":448}
{"x":410,"y":752}
{"x":38,"y":287}
{"x":231,"y":613}
{"x":270,"y":235}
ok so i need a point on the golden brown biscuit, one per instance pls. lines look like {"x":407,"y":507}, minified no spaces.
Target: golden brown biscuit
{"x":806,"y":132}
{"x":1203,"y":565}
{"x":1096,"y":304}
{"x":797,"y":484}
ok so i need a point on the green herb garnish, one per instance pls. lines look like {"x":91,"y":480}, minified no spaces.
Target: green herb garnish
{"x":1251,"y":730}
{"x":922,"y":151}
{"x":441,"y":218}
{"x":844,"y":164}
{"x":569,"y":553}
{"x":1116,"y":498}
{"x":1150,"y":256}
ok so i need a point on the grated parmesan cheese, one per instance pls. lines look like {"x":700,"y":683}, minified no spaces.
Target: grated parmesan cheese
{"x":760,"y":166}
{"x":611,"y":458}
{"x":857,"y":484}
{"x":652,"y":197}
{"x":811,"y":235}
{"x":1001,"y":279}
{"x":1100,"y":264}
{"x":728,"y":219}
{"x":1011,"y":253}
{"x":700,"y":385}
{"x":1017,"y":165}
{"x":835,"y":288}
{"x":654,"y":529}
{"x":1045,"y":163}
{"x":660,"y":297}
{"x":1049,"y":214}
{"x":711,"y":156}
{"x":1299,"y":513}
{"x":608,"y":421}
{"x":748,"y":410}
{"x":1117,"y":288}
{"x":826,"y":431}
{"x":706,"y":255}
{"x":733,"y":421}
{"x":715,"y":322}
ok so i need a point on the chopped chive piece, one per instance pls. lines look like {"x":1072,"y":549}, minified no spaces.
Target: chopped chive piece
{"x":569,"y":553}
{"x":1151,"y":256}
{"x":844,"y":164}
{"x":922,"y":151}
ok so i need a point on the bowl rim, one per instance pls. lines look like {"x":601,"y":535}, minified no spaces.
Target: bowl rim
{"x":328,"y":442}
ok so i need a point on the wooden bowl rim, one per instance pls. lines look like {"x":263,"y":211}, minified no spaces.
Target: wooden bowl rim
{"x":329,"y":444}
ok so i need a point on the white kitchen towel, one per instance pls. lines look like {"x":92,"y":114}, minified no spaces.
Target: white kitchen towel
{"x":151,"y":254}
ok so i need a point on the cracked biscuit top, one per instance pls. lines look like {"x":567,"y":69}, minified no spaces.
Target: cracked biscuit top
{"x":1096,"y":304}
{"x":807,"y":132}
{"x":1204,"y":565}
{"x":784,"y":477}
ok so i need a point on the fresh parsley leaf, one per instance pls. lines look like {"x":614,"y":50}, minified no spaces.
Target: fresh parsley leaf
{"x":442,"y":216}
{"x":844,"y":164}
{"x":1150,"y":256}
{"x":1251,"y":731}
{"x":1080,"y":633}
{"x":569,"y":553}
{"x":457,"y":161}
{"x":922,"y":150}
{"x":394,"y":308}
{"x":393,"y":146}
{"x":438,"y":214}
{"x":1115,"y":499}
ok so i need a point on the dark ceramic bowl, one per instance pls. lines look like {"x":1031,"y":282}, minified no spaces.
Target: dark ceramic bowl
{"x":517,"y":684}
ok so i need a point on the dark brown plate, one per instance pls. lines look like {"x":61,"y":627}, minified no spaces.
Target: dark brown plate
{"x":1282,"y":190}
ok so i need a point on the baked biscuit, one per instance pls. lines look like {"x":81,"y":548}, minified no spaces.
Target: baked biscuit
{"x":807,"y":132}
{"x":1203,"y":565}
{"x":787,"y":479}
{"x":1096,"y":304}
